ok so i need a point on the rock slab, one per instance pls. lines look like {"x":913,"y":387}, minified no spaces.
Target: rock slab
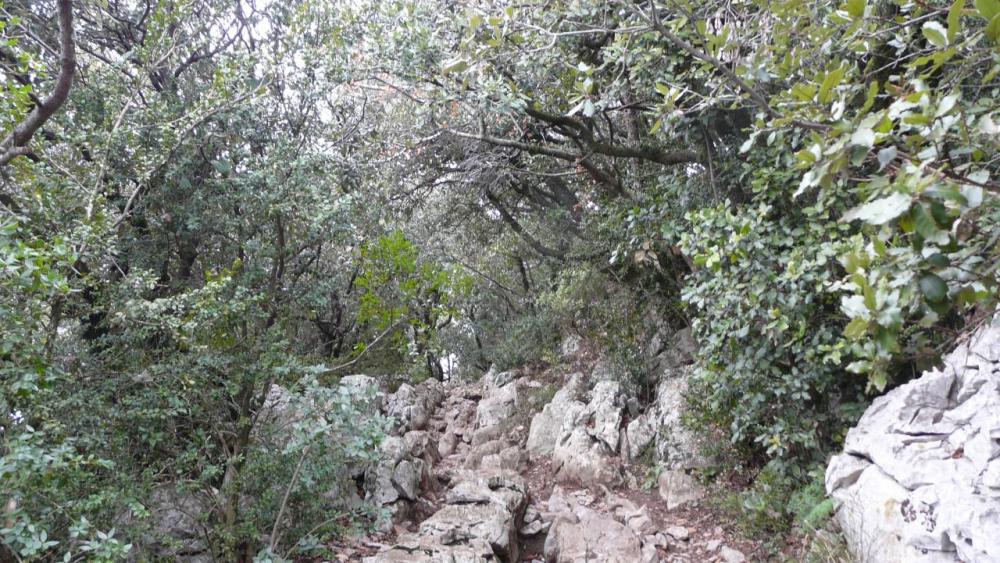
{"x":919,"y":478}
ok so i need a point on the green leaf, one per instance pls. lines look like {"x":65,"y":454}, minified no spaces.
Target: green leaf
{"x":955,"y":19}
{"x":938,"y":260}
{"x":993,"y":29}
{"x":934,"y":288}
{"x":454,"y":65}
{"x":856,"y":328}
{"x":870,"y":97}
{"x":935,"y":33}
{"x":224,"y":167}
{"x":878,"y":380}
{"x":886,"y":156}
{"x":856,"y":8}
{"x":923,"y":222}
{"x":831,"y":81}
{"x":880,"y":211}
{"x":988,"y":8}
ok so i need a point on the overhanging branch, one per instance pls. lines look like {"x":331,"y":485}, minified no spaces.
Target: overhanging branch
{"x":16,"y":143}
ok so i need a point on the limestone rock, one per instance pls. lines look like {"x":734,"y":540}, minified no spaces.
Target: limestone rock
{"x":605,"y":412}
{"x":589,"y":438}
{"x":408,"y":409}
{"x":479,"y":522}
{"x":678,"y":488}
{"x":639,"y":434}
{"x":676,"y":446}
{"x":493,"y":379}
{"x":498,"y":407}
{"x":176,"y":531}
{"x":546,"y":426}
{"x":570,"y":346}
{"x":510,"y":458}
{"x":679,"y":533}
{"x":730,"y":555}
{"x":579,"y":533}
{"x":917,"y":479}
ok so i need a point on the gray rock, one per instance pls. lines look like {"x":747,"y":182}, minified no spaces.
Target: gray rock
{"x":671,"y":351}
{"x":498,"y":407}
{"x":570,"y":346}
{"x":640,"y":522}
{"x":406,"y":478}
{"x":494,"y":380}
{"x":509,"y":458}
{"x":730,"y":555}
{"x":176,"y":530}
{"x":579,"y":457}
{"x":412,"y":405}
{"x":546,"y":426}
{"x":917,"y":479}
{"x":605,"y":411}
{"x":408,"y":409}
{"x":479,"y":522}
{"x":604,"y":370}
{"x":359,"y":384}
{"x":475,"y":456}
{"x":584,"y":437}
{"x":679,"y":533}
{"x":678,"y":488}
{"x":579,"y":533}
{"x":639,"y":434}
{"x":676,"y":446}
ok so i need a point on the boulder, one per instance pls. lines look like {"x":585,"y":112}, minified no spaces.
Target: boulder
{"x":587,"y":446}
{"x":402,"y":474}
{"x":493,"y":379}
{"x":408,"y":409}
{"x":177,"y":531}
{"x":359,"y":385}
{"x":677,"y":447}
{"x":677,"y":488}
{"x":498,"y":407}
{"x":578,"y":533}
{"x":660,"y":427}
{"x":639,"y":434}
{"x":479,"y":522}
{"x":510,"y":458}
{"x":546,"y":426}
{"x":583,"y":439}
{"x":673,"y":350}
{"x":570,"y":347}
{"x":411,"y":406}
{"x":605,"y":412}
{"x":917,"y":480}
{"x":730,"y":555}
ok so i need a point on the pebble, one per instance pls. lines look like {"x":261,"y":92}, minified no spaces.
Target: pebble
{"x":730,"y":555}
{"x":678,"y":533}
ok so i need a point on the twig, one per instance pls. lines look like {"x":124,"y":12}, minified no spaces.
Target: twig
{"x":284,"y":500}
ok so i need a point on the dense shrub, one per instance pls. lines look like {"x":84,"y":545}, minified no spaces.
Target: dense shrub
{"x":769,"y":367}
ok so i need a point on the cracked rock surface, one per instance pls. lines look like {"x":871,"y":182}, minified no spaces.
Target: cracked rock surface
{"x":919,"y":478}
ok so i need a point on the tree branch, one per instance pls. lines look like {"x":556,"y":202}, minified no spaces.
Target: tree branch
{"x":517,"y":228}
{"x":15,"y":144}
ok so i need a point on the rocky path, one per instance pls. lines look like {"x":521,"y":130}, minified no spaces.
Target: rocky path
{"x":522,"y":468}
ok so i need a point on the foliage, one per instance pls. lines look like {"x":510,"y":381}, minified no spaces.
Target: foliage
{"x":398,"y":289}
{"x":236,"y":195}
{"x":769,"y":337}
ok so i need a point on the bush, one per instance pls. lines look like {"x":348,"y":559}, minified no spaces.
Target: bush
{"x":770,"y":337}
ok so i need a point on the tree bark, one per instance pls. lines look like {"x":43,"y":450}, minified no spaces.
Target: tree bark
{"x":16,"y":143}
